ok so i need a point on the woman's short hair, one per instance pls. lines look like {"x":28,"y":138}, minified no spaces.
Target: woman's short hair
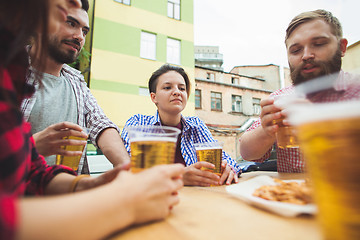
{"x":312,"y":15}
{"x":164,"y":69}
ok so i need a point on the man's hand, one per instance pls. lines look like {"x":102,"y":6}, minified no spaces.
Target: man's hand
{"x":49,"y":141}
{"x":269,"y":113}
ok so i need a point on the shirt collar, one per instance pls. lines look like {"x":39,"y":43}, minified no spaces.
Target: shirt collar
{"x":157,"y":121}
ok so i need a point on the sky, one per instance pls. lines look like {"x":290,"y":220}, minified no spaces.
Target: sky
{"x":251,"y":32}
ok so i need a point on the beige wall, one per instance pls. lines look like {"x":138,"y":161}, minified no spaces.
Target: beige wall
{"x":269,"y":73}
{"x":351,"y":61}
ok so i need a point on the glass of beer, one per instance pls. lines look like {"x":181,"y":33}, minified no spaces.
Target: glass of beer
{"x":72,"y":161}
{"x":210,"y":152}
{"x":286,"y":136}
{"x":151,"y":145}
{"x":329,"y":136}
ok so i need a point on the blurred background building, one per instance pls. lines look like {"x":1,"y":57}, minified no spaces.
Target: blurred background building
{"x":130,"y":39}
{"x":229,"y":102}
{"x":351,"y":61}
{"x":209,"y":57}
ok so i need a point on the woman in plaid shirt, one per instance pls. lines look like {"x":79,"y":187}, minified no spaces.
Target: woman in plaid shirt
{"x":122,"y":199}
{"x":169,"y":88}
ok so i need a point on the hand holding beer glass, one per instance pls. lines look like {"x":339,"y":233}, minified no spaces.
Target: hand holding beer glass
{"x":73,"y":160}
{"x":286,"y":136}
{"x":151,"y":145}
{"x":210,"y":152}
{"x":329,"y":136}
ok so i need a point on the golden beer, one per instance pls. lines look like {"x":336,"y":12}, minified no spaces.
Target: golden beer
{"x":286,"y":136}
{"x":71,"y":161}
{"x":146,"y":153}
{"x":332,"y":151}
{"x":212,"y":153}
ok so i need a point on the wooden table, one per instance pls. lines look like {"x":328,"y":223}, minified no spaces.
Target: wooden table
{"x":211,"y":213}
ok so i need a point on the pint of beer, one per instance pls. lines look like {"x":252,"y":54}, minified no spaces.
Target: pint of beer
{"x":71,"y":161}
{"x":152,"y":145}
{"x":329,"y":135}
{"x":286,"y":136}
{"x":210,"y":152}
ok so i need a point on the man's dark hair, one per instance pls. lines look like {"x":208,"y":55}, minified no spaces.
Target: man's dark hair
{"x":164,"y":69}
{"x":85,"y":5}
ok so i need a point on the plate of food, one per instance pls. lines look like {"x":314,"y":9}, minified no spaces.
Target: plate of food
{"x":288,"y":198}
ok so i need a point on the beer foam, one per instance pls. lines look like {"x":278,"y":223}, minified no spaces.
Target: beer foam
{"x":305,"y":113}
{"x":208,"y":145}
{"x":207,"y":148}
{"x":153,"y":139}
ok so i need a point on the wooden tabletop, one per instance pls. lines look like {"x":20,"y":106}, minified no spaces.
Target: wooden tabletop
{"x":211,"y":213}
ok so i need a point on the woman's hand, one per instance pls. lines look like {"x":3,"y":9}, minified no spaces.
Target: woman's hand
{"x":194,"y":176}
{"x":228,"y":173}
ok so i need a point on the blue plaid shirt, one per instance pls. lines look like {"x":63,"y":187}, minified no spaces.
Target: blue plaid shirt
{"x":194,"y":131}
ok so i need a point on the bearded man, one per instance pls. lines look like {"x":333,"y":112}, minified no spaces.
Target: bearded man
{"x":315,"y":47}
{"x":63,"y":104}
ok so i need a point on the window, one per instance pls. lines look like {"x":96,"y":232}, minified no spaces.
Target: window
{"x":234,"y":80}
{"x":210,"y":76}
{"x":256,"y":106}
{"x":173,"y":9}
{"x":236,"y":103}
{"x":148,"y":45}
{"x":173,"y":51}
{"x":216,"y":101}
{"x":126,"y":2}
{"x":197,"y":98}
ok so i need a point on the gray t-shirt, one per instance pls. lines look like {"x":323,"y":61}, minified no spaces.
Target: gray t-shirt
{"x":55,"y":102}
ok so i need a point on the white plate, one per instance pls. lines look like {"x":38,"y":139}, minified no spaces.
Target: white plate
{"x":244,"y":191}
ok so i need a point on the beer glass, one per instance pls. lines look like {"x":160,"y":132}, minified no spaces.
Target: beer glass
{"x":286,"y":136}
{"x":151,"y":145}
{"x":329,"y":136}
{"x":210,"y":152}
{"x":72,"y":161}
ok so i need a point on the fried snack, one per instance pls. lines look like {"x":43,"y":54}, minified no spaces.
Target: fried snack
{"x":289,"y":192}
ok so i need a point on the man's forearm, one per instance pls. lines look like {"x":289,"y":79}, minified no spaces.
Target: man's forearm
{"x":254,"y":144}
{"x":113,"y":147}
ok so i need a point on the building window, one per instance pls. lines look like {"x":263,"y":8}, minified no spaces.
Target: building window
{"x":234,"y":80}
{"x":210,"y":76}
{"x":197,"y":98}
{"x":126,"y":2}
{"x":173,"y":9}
{"x":216,"y":101}
{"x":173,"y":51}
{"x":236,"y":103}
{"x":256,"y":106}
{"x":148,"y":45}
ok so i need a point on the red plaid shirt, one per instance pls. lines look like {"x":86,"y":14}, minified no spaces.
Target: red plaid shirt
{"x":22,"y":169}
{"x":291,"y":159}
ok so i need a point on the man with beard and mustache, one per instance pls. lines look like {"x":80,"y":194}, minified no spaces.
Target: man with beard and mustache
{"x":314,"y":46}
{"x":63,"y":104}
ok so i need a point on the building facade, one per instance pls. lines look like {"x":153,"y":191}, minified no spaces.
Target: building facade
{"x":228,"y":103}
{"x":209,"y":57}
{"x":130,"y":39}
{"x":351,"y":60}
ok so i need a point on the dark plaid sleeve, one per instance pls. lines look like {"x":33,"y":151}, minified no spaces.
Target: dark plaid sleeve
{"x":7,"y":216}
{"x":41,"y":174}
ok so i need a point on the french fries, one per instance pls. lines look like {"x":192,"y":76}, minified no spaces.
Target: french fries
{"x":289,"y":192}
